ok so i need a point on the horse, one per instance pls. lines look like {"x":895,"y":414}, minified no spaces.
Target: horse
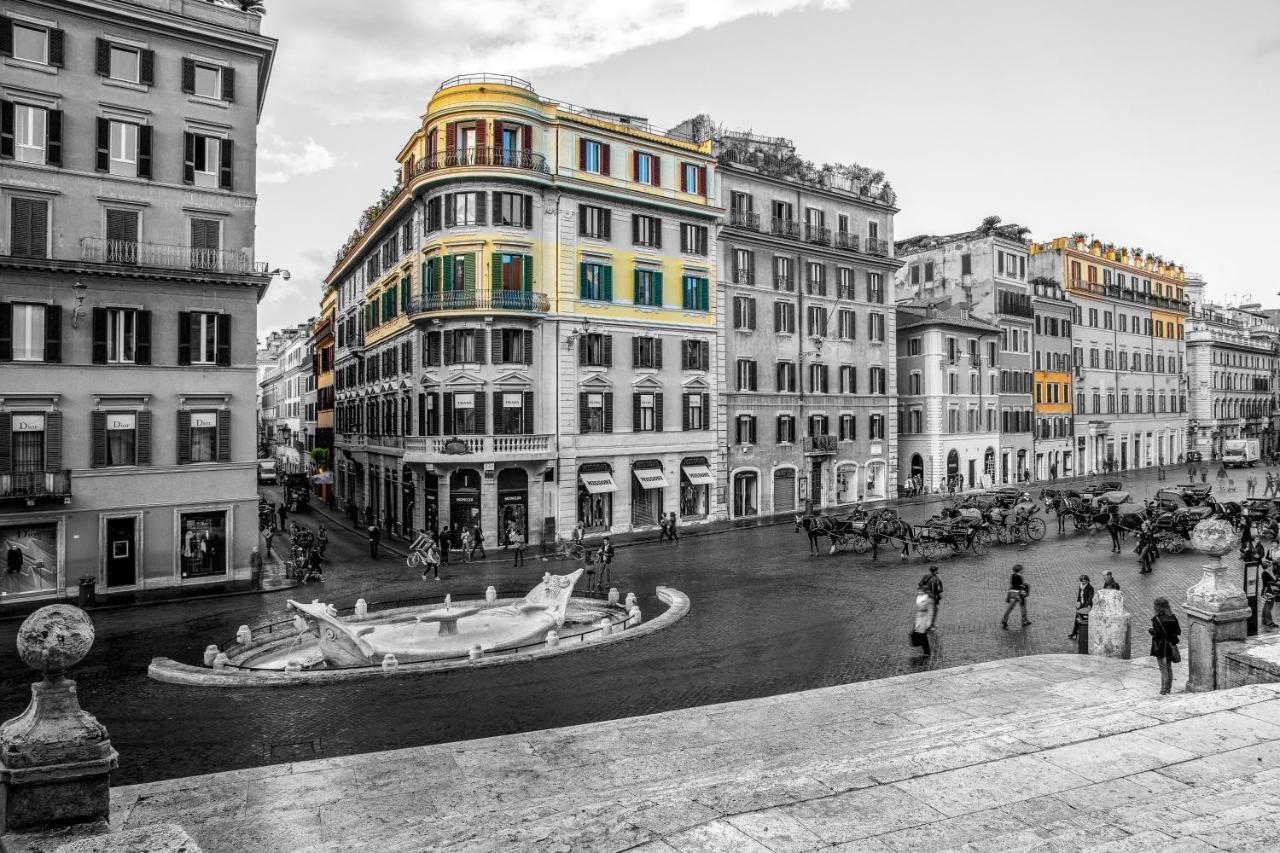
{"x":815,"y":526}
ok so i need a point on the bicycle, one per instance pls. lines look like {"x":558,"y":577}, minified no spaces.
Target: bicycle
{"x":570,"y":550}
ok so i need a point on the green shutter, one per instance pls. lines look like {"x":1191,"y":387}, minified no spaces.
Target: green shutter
{"x":448,"y":272}
{"x":468,"y":272}
{"x":423,"y":278}
{"x":582,"y":279}
{"x":635,"y":286}
{"x":528,"y":273}
{"x":406,"y":288}
{"x":657,"y":287}
{"x":496,"y":272}
{"x":606,"y":282}
{"x":704,"y":291}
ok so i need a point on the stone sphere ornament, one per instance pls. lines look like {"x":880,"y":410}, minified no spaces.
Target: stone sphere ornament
{"x":1213,"y":536}
{"x":55,"y":638}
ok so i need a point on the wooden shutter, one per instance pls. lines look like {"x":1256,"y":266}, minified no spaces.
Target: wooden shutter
{"x":6,"y":36}
{"x":606,"y":282}
{"x":229,"y":85}
{"x":635,"y":412}
{"x":582,"y":351}
{"x":582,"y":154}
{"x":144,"y":436}
{"x":608,"y":350}
{"x":142,"y":348}
{"x":6,"y":331}
{"x":482,"y":139}
{"x":495,"y":270}
{"x":498,"y":427}
{"x":584,"y":421}
{"x":608,"y":411}
{"x":225,"y":153}
{"x":605,"y":149}
{"x":447,"y":427}
{"x":706,"y":411}
{"x":57,"y":52}
{"x":635,"y":228}
{"x":657,"y":287}
{"x":702,"y":180}
{"x":450,"y":352}
{"x":53,"y":441}
{"x":188,"y":75}
{"x":496,"y":355}
{"x":6,"y":437}
{"x":184,"y":437}
{"x":526,"y":273}
{"x":468,"y":262}
{"x":144,"y":151}
{"x":528,"y":346}
{"x":479,"y":345}
{"x":526,"y":137}
{"x":188,"y":156}
{"x":98,"y":426}
{"x":224,"y":340}
{"x":635,"y":350}
{"x":100,"y":336}
{"x":53,"y":138}
{"x":102,"y":163}
{"x":635,"y":165}
{"x":224,"y":435}
{"x":185,"y":320}
{"x":102,"y":58}
{"x":657,"y":353}
{"x":147,"y":67}
{"x":433,"y":349}
{"x":684,"y":181}
{"x":6,"y":128}
{"x":53,"y":334}
{"x":655,"y":173}
{"x":684,"y":412}
{"x":447,"y":267}
{"x":527,"y":418}
{"x":657,"y":412}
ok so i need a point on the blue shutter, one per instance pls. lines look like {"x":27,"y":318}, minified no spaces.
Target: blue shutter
{"x":582,"y":280}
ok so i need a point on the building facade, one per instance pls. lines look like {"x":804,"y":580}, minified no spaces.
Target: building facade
{"x":322,"y":347}
{"x":128,"y":293}
{"x":1054,"y":417}
{"x":986,"y":270}
{"x":948,"y":397}
{"x":1128,"y":351}
{"x":526,"y":324}
{"x":808,"y":331}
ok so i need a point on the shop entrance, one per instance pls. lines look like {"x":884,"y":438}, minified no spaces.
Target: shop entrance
{"x":464,"y":502}
{"x":513,"y":503}
{"x":122,"y":555}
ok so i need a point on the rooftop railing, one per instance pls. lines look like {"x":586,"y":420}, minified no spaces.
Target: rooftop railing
{"x":494,"y":79}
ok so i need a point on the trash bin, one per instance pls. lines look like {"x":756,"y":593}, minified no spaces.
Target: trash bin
{"x":88,"y":595}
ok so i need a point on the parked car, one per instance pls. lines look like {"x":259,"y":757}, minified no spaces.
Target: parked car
{"x":267,"y":471}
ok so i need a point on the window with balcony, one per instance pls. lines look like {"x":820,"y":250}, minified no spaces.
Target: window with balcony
{"x":513,"y":209}
{"x":844,"y":288}
{"x":783,"y":274}
{"x":785,"y":376}
{"x":596,"y":281}
{"x":206,"y":243}
{"x":467,"y":419}
{"x":744,"y":313}
{"x":28,"y":228}
{"x":744,"y":266}
{"x":816,"y":280}
{"x":594,"y":221}
{"x":646,"y":231}
{"x":784,"y":317}
{"x":462,"y":209}
{"x":875,"y":288}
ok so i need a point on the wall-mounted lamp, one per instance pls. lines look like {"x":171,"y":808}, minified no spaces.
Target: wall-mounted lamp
{"x":79,"y":289}
{"x":573,"y":336}
{"x":280,"y":271}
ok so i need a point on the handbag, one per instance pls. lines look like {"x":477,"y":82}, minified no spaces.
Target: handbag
{"x":1170,"y":649}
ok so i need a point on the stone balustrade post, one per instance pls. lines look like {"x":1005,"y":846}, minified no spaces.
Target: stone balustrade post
{"x":1109,"y":625}
{"x":1216,"y":607}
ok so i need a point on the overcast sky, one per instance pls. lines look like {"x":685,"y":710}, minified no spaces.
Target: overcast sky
{"x":1147,"y":123}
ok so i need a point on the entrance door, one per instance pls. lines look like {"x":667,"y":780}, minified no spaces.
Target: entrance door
{"x":122,"y":557}
{"x":513,"y":503}
{"x":464,"y":502}
{"x":815,"y":484}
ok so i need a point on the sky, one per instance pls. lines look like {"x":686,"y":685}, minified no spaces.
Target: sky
{"x":1150,"y":123}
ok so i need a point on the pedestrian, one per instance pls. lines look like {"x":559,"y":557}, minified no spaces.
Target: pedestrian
{"x":1246,"y":532}
{"x":1109,"y":581}
{"x":925,"y":614}
{"x":1019,"y":589}
{"x":433,"y":559}
{"x":672,"y":525}
{"x":467,"y":544}
{"x":1084,"y":601}
{"x":478,"y":544}
{"x":1148,"y":549}
{"x":516,"y":542}
{"x":1113,"y":527}
{"x":1270,"y":589}
{"x":606,"y":560}
{"x":662,"y":529}
{"x":322,"y":537}
{"x":313,"y":564}
{"x":282,"y":514}
{"x":1165,"y":632}
{"x":375,"y":536}
{"x":443,"y":542}
{"x":933,"y":585}
{"x":1204,"y":473}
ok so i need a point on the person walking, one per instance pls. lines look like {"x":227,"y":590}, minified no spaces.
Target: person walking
{"x":1113,"y":527}
{"x":933,"y":585}
{"x":468,"y":544}
{"x":322,"y":539}
{"x":1148,"y":548}
{"x":1165,"y":632}
{"x":672,"y":525}
{"x":1246,"y":532}
{"x":662,"y":529}
{"x":477,"y":544}
{"x":924,"y":617}
{"x":282,"y":514}
{"x":515,"y":541}
{"x":606,"y":560}
{"x":375,"y":536}
{"x":1270,"y":589}
{"x":1204,"y":473}
{"x":433,"y":559}
{"x":1109,"y":581}
{"x":1084,"y":601}
{"x":1019,"y":589}
{"x":442,"y":541}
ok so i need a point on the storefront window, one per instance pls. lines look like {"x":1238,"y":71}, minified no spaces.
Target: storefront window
{"x":694,"y":499}
{"x":595,"y":496}
{"x":745,"y":490}
{"x":31,"y":558}
{"x":203,"y":543}
{"x":122,"y":438}
{"x":204,"y":436}
{"x":846,"y":484}
{"x":875,"y":480}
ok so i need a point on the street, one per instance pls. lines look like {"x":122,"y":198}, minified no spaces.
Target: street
{"x":765,"y":619}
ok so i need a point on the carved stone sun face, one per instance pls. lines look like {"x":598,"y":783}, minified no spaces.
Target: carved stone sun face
{"x":1213,"y":536}
{"x":55,"y":638}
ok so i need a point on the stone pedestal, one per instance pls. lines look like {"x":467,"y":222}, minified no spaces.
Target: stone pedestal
{"x":1109,"y":625}
{"x":1217,"y":611}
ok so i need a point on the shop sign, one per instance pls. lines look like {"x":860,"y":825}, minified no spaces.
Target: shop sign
{"x":121,"y":422}
{"x":204,"y":420}
{"x":28,"y":423}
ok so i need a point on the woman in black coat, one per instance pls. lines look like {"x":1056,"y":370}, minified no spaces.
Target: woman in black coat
{"x":1165,"y":632}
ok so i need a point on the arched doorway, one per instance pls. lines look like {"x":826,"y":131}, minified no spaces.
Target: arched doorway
{"x":953,"y":469}
{"x":989,"y":466}
{"x":513,"y":503}
{"x":917,"y":469}
{"x":745,"y":487}
{"x":464,"y":502}
{"x":408,"y":500}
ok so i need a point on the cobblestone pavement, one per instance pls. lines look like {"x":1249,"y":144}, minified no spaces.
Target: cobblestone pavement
{"x":766,"y":619}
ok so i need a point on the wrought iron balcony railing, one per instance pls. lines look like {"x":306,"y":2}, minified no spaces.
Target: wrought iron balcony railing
{"x":744,"y":219}
{"x":134,"y":253}
{"x":785,"y":228}
{"x":743,"y":277}
{"x":506,"y":158}
{"x":32,"y":486}
{"x":877,"y":247}
{"x":845,"y":240}
{"x":784,"y":282}
{"x":482,"y":300}
{"x":817,"y":234}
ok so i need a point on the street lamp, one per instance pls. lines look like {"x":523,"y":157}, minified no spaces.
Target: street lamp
{"x":79,"y":289}
{"x":280,"y":271}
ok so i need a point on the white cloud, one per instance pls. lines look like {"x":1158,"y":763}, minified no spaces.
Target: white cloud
{"x":329,"y":52}
{"x":280,"y":159}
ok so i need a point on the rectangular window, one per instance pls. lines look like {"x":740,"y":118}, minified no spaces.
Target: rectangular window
{"x":746,"y":374}
{"x":786,"y":429}
{"x":207,"y":81}
{"x":462,"y":209}
{"x":123,"y":63}
{"x":121,"y":335}
{"x":928,"y":270}
{"x":695,"y":355}
{"x":646,"y":168}
{"x":816,"y":282}
{"x":786,"y":376}
{"x":207,"y":153}
{"x":744,"y":266}
{"x":695,"y":292}
{"x":592,"y":156}
{"x":514,"y":350}
{"x":848,"y":379}
{"x":464,"y":414}
{"x":30,"y":42}
{"x":593,"y":416}
{"x":693,"y":239}
{"x":124,"y":149}
{"x":876,"y":424}
{"x":512,"y":209}
{"x":646,"y":230}
{"x":784,"y":317}
{"x":595,"y":278}
{"x":597,"y":350}
{"x":510,"y":415}
{"x":818,"y":379}
{"x":29,"y":133}
{"x":594,"y":221}
{"x":28,"y":332}
{"x":204,"y":338}
{"x":848,"y":428}
{"x":875,"y":288}
{"x":693,"y":178}
{"x":121,"y":438}
{"x":204,"y":436}
{"x":847,"y":322}
{"x":645,"y":420}
{"x":648,"y":287}
{"x":966,"y":264}
{"x":28,"y":228}
{"x":646,"y":352}
{"x":875,"y":327}
{"x":745,"y":429}
{"x":744,"y":313}
{"x":206,"y":244}
{"x":817,"y":320}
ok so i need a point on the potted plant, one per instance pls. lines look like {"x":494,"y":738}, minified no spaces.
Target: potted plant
{"x":1078,"y":238}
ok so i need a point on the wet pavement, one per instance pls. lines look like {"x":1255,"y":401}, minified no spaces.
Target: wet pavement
{"x":765,"y":619}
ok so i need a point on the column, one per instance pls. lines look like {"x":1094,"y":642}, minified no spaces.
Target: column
{"x":1216,"y":608}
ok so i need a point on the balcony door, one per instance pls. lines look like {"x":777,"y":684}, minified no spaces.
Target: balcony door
{"x":122,"y":552}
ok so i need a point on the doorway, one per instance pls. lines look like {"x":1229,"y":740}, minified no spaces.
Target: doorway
{"x":122,"y":551}
{"x":513,"y":503}
{"x":815,"y":484}
{"x":464,"y":502}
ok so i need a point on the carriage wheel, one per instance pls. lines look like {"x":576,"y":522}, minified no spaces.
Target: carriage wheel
{"x":979,"y":541}
{"x":860,"y":544}
{"x":1177,"y":545}
{"x":1035,"y":529}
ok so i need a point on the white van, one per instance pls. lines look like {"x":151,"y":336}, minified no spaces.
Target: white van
{"x":267,"y":471}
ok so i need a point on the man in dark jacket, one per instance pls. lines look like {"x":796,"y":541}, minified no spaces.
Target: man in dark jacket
{"x":443,"y":541}
{"x":1109,"y":581}
{"x":1019,"y":589}
{"x":1084,"y":600}
{"x":375,"y":536}
{"x":932,"y":584}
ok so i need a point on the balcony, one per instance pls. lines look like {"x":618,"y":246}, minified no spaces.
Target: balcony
{"x":845,"y":240}
{"x":817,"y":234}
{"x":877,"y":246}
{"x":480,"y":300}
{"x":493,"y":156}
{"x":785,"y":228}
{"x":131,"y":253}
{"x":744,"y":219}
{"x":743,"y":277}
{"x":32,"y":487}
{"x":784,"y":282}
{"x":821,"y":444}
{"x":486,"y":448}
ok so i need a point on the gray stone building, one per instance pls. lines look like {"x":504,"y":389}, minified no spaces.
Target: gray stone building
{"x":807,"y":329}
{"x":985,"y":270}
{"x":128,"y":292}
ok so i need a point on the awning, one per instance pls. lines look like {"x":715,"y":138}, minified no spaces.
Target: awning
{"x":598,"y":481}
{"x":324,"y":478}
{"x":650,"y":478}
{"x":699,"y":475}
